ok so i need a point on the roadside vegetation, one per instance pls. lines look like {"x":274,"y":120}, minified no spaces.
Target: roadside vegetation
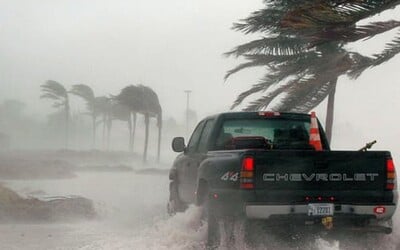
{"x":102,"y":110}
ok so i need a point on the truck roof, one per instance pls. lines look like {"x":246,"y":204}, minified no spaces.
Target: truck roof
{"x":251,"y":114}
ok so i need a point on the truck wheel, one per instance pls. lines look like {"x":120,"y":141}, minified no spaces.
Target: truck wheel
{"x":209,"y":214}
{"x":252,"y":230}
{"x":222,"y":231}
{"x":221,"y":228}
{"x":213,"y":232}
{"x":174,"y":205}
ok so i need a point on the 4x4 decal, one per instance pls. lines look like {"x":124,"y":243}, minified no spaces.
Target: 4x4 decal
{"x":230,"y":176}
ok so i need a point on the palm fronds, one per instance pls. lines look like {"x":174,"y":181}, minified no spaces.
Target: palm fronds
{"x":304,"y":41}
{"x":391,"y":49}
{"x":86,"y":93}
{"x":55,"y":91}
{"x":270,"y":46}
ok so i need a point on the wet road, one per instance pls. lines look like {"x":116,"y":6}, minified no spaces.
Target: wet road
{"x":132,"y":216}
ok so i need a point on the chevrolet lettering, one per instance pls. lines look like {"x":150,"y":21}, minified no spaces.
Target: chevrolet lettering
{"x":320,"y":177}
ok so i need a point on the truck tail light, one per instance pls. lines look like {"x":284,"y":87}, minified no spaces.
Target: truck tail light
{"x":247,"y":173}
{"x":379,"y":210}
{"x":390,"y":174}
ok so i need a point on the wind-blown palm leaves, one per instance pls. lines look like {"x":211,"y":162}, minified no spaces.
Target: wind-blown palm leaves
{"x":303,"y":50}
{"x":151,"y":108}
{"x":143,"y":100}
{"x":56,"y":91}
{"x":87,"y":94}
{"x":131,"y":97}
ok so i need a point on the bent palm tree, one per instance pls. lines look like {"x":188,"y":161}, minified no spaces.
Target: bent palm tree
{"x":102,"y":106}
{"x":87,"y":94}
{"x":132,"y":98}
{"x":151,"y":108}
{"x":118,"y":112}
{"x":57,"y":92}
{"x":142,"y":99}
{"x":303,"y":51}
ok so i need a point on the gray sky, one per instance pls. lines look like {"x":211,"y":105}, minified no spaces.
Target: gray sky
{"x":170,"y":46}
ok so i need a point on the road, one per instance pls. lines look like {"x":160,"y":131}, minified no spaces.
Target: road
{"x":132,"y":215}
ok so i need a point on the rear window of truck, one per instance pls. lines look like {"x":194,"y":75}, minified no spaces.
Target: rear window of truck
{"x":280,"y":133}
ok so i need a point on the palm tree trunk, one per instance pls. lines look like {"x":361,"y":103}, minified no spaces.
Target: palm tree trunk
{"x":146,"y":139}
{"x":133,"y":130}
{"x":94,"y":132}
{"x":330,"y":112}
{"x":104,"y":131}
{"x":66,"y":124}
{"x":130,"y":148}
{"x":109,"y":126}
{"x":159,"y":137}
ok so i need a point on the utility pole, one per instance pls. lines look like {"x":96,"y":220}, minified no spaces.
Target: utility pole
{"x":187,"y":110}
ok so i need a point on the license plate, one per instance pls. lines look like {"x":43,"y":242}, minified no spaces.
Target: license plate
{"x":320,"y":209}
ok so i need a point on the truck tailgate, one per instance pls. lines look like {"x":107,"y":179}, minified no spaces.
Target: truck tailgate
{"x":292,"y":175}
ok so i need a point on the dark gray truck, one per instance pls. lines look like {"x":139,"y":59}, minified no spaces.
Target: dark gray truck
{"x":260,"y":166}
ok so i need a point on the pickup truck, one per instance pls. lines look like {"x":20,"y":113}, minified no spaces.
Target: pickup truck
{"x":261,"y":166}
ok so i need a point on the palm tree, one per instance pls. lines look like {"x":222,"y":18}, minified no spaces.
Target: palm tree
{"x":143,"y":100}
{"x":151,"y":108}
{"x":57,"y":92}
{"x":102,"y":106}
{"x":132,"y":98}
{"x":303,"y":50}
{"x":87,"y":94}
{"x":121,"y":112}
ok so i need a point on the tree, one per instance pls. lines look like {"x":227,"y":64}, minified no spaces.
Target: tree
{"x":131,"y":98}
{"x":151,"y":108}
{"x":303,"y":50}
{"x":143,"y":100}
{"x":102,"y":106}
{"x":118,"y":112}
{"x":87,"y":94}
{"x":57,"y":92}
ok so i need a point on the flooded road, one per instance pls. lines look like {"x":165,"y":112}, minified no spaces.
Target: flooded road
{"x":132,"y":215}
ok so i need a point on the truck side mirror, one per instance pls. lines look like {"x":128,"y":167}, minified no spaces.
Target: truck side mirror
{"x":178,"y":144}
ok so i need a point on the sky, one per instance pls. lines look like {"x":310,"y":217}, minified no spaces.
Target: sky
{"x":171,"y":46}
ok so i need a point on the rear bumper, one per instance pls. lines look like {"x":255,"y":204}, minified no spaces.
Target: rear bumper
{"x":260,"y":211}
{"x":361,"y":218}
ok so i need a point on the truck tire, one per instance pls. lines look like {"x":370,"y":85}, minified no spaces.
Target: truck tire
{"x":213,"y":230}
{"x":220,"y":228}
{"x":175,"y":205}
{"x":249,"y":233}
{"x":203,"y":199}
